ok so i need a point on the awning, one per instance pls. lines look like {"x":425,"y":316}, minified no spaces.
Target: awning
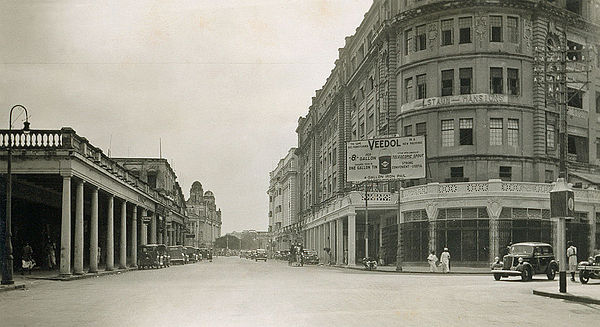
{"x":590,"y":177}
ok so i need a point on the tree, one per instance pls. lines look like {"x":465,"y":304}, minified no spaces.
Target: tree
{"x":222,"y":242}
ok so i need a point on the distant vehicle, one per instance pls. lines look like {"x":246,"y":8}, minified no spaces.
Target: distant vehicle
{"x":310,"y":257}
{"x":525,"y":260}
{"x":177,"y":253}
{"x":260,"y":254}
{"x":190,"y":251}
{"x":151,"y":256}
{"x":589,"y":269}
{"x":284,"y":254}
{"x":252,"y":254}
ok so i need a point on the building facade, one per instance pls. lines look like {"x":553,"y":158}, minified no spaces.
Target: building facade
{"x":284,"y":202}
{"x":204,"y":219}
{"x":462,"y":74}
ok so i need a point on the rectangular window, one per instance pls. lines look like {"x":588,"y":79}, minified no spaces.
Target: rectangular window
{"x":334,"y":157}
{"x":457,"y":172}
{"x":421,"y":38}
{"x":421,"y":128}
{"x":513,"y":81}
{"x":513,"y":132}
{"x":408,"y":130}
{"x":408,"y":90}
{"x":496,"y":80}
{"x":408,"y":41}
{"x":465,"y":126}
{"x":466,"y":76}
{"x":464,"y":29}
{"x":370,"y":122}
{"x":447,"y":132}
{"x":495,"y":131}
{"x":361,"y":129}
{"x":505,"y":173}
{"x":512,"y":25}
{"x":598,"y":99}
{"x":550,"y":136}
{"x":548,"y":176}
{"x":421,"y":86}
{"x":447,"y":82}
{"x":447,"y":32}
{"x":495,"y":28}
{"x":575,"y":98}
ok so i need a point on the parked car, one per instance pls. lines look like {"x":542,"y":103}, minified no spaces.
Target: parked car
{"x":190,"y":251}
{"x":284,"y":254}
{"x":151,"y":256}
{"x":177,"y":253}
{"x":589,"y":269}
{"x":525,"y":260}
{"x":310,"y":257}
{"x":260,"y":254}
{"x":164,"y":251}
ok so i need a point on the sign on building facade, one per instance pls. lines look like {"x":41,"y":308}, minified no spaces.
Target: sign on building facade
{"x":386,"y":159}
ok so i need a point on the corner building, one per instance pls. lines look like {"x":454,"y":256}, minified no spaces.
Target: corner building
{"x":462,"y":74}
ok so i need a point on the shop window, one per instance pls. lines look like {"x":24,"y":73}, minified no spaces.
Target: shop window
{"x":421,"y":128}
{"x":447,"y":31}
{"x":575,"y":98}
{"x":408,"y":90}
{"x":495,"y":28}
{"x":505,"y":173}
{"x":466,"y":77}
{"x":408,"y":130}
{"x":421,"y":38}
{"x":447,"y":82}
{"x":513,"y":132}
{"x":421,"y":86}
{"x":466,"y":131}
{"x":512,"y":26}
{"x":513,"y":81}
{"x":495,"y":131}
{"x":447,"y":133}
{"x":464,"y":29}
{"x":496,"y":80}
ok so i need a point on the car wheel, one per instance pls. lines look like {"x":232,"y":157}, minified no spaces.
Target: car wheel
{"x":497,"y":276}
{"x":526,"y":275}
{"x":551,"y":273}
{"x":584,"y":277}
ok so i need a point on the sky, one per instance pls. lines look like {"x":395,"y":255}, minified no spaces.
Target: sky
{"x":220,"y":84}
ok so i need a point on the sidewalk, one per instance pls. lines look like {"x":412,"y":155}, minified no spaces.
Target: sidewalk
{"x":577,"y":292}
{"x":420,"y":270}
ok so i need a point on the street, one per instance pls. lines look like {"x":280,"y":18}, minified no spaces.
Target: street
{"x":237,"y":292}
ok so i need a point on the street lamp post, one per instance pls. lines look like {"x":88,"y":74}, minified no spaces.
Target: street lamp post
{"x":7,"y":267}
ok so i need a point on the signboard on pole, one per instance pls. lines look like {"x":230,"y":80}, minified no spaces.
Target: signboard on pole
{"x":386,"y":159}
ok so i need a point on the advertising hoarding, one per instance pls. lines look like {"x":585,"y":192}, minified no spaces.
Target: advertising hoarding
{"x":388,"y":158}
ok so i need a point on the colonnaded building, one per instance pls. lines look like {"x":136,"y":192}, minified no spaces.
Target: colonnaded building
{"x":462,"y":74}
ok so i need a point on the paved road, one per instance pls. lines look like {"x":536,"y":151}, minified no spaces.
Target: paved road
{"x":239,"y":292}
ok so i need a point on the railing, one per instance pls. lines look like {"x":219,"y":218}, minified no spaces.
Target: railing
{"x":31,"y":139}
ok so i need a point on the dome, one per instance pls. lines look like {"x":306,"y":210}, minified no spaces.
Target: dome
{"x":209,"y":193}
{"x":196,"y":188}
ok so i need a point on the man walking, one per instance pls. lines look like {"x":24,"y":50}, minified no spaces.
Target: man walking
{"x":572,"y":259}
{"x":432,"y":260}
{"x":445,"y":259}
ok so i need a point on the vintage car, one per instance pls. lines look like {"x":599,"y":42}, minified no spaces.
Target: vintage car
{"x":164,"y":251}
{"x":177,"y":253}
{"x":525,"y":260}
{"x":151,"y":256}
{"x":589,"y":269}
{"x":310,"y":257}
{"x":260,"y":254}
{"x":190,"y":251}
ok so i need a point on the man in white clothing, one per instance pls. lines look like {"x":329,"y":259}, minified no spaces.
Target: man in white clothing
{"x":445,"y":259}
{"x":432,"y":260}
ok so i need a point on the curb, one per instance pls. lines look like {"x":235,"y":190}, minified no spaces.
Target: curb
{"x":16,"y":286}
{"x":413,"y":272}
{"x":568,"y":297}
{"x":84,"y":276}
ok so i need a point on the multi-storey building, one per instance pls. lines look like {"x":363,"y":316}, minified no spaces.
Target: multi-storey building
{"x":204,"y":218}
{"x":284,"y":201}
{"x":462,"y":74}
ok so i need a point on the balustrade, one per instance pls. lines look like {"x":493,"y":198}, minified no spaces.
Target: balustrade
{"x":34,"y":139}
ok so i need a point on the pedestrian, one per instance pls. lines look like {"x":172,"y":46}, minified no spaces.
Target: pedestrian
{"x":27,"y":262}
{"x":327,"y":256}
{"x":346,"y":256}
{"x":292,"y":256}
{"x":572,"y":259}
{"x":445,"y":259}
{"x":99,"y":254}
{"x":51,"y":255}
{"x":432,"y":260}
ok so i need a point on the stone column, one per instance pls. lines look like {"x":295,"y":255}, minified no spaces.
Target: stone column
{"x":339,"y":252}
{"x":123,"y":247}
{"x":494,"y":208}
{"x":144,"y":227}
{"x":110,"y":234}
{"x":351,"y":239}
{"x":153,"y":229}
{"x":65,"y":229}
{"x":165,"y":235}
{"x":78,"y":244}
{"x":592,"y":234}
{"x":94,"y":232}
{"x":331,"y":242}
{"x":134,"y":241}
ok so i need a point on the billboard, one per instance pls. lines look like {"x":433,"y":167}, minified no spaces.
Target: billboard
{"x":385,"y":159}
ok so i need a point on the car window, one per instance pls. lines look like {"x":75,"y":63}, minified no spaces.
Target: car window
{"x":521,"y":249}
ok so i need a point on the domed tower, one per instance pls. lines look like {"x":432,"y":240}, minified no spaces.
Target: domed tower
{"x":196,"y":193}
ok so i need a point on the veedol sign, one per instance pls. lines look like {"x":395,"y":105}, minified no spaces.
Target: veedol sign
{"x":386,"y":159}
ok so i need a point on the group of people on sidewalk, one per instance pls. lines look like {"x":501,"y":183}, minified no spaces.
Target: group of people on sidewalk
{"x":28,"y":262}
{"x":443,"y":262}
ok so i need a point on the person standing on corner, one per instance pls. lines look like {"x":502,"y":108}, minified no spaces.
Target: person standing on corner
{"x":432,"y":260}
{"x":445,"y":259}
{"x":572,"y":259}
